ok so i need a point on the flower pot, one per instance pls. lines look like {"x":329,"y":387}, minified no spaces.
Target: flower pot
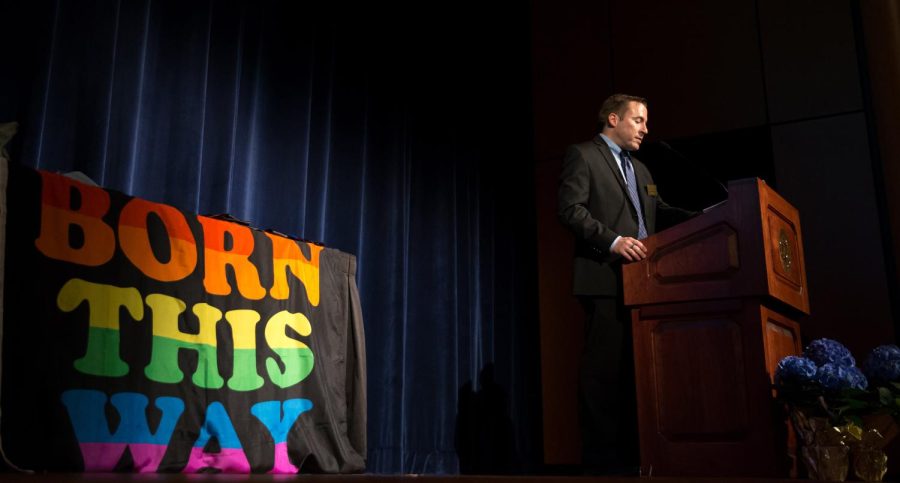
{"x":823,"y":447}
{"x":867,"y":455}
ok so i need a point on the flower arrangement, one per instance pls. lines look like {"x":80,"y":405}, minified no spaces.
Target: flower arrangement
{"x":823,"y":382}
{"x":836,"y":406}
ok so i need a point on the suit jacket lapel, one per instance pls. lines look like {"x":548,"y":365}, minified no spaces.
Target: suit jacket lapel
{"x":638,"y":177}
{"x":607,"y":156}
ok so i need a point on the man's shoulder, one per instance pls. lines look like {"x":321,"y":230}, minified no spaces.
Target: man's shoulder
{"x":589,"y":146}
{"x":591,"y":143}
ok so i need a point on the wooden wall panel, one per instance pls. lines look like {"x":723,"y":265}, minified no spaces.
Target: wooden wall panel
{"x":697,"y":61}
{"x":824,"y":169}
{"x":809,"y":57}
{"x":571,"y":72}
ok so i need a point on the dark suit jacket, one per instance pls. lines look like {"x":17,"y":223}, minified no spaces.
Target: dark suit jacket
{"x":594,"y":205}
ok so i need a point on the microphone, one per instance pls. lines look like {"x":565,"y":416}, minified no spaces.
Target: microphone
{"x":693,"y":165}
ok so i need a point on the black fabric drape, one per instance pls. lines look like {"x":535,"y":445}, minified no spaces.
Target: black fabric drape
{"x":395,"y":132}
{"x":87,"y":360}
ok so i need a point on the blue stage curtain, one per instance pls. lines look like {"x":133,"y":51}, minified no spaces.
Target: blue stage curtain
{"x":398,"y":133}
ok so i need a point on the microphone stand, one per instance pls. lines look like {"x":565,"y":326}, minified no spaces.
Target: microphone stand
{"x":698,"y":169}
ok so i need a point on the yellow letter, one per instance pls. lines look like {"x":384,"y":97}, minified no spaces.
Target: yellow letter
{"x":295,"y":355}
{"x":168,"y":339}
{"x":243,"y":331}
{"x":104,"y":303}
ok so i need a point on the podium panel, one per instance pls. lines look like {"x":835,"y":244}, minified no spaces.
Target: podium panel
{"x":782,"y":338}
{"x":784,"y":254}
{"x":705,"y":400}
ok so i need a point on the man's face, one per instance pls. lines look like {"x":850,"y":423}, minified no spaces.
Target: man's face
{"x":629,"y":129}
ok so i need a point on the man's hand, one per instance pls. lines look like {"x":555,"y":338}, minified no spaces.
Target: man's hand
{"x":630,"y":249}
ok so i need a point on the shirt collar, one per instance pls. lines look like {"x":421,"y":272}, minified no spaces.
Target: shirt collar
{"x":616,"y":150}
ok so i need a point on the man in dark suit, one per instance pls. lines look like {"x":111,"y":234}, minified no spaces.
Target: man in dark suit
{"x":609,"y":201}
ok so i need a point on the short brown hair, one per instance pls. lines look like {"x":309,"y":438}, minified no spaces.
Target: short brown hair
{"x":615,"y":103}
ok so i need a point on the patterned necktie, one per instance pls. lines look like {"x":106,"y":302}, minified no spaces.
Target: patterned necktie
{"x":633,"y":192}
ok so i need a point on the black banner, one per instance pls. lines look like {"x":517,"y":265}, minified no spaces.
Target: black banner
{"x":138,"y":337}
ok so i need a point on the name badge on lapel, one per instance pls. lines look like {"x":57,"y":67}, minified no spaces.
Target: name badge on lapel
{"x":651,"y":190}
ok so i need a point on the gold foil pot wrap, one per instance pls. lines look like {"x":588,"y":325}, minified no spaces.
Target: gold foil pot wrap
{"x":830,"y":463}
{"x":806,"y":427}
{"x":828,"y":450}
{"x":824,"y":452}
{"x":827,"y":435}
{"x":866,"y":451}
{"x":869,"y":461}
{"x":853,"y":433}
{"x":885,"y":425}
{"x":871,"y":439}
{"x":869,"y":464}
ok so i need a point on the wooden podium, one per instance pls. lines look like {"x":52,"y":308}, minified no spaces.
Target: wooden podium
{"x":713,"y":310}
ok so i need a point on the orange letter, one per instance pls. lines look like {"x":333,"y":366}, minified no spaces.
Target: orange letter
{"x":136,"y":244}
{"x":286,"y":254}
{"x":58,"y":216}
{"x":216,"y":257}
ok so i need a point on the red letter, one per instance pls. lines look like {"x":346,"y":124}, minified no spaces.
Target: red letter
{"x":57,"y":216}
{"x":136,"y":245}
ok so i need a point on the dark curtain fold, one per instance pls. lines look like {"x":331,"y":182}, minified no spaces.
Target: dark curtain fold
{"x":396,"y":132}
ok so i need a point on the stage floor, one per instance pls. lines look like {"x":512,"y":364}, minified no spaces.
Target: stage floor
{"x":363,"y":478}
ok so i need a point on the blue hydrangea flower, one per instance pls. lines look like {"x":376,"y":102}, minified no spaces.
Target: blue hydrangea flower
{"x":858,"y":380}
{"x":834,"y":377}
{"x":795,"y":370}
{"x":883,"y":364}
{"x":827,"y":351}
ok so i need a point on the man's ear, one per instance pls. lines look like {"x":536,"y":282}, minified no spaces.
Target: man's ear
{"x":612,"y":119}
